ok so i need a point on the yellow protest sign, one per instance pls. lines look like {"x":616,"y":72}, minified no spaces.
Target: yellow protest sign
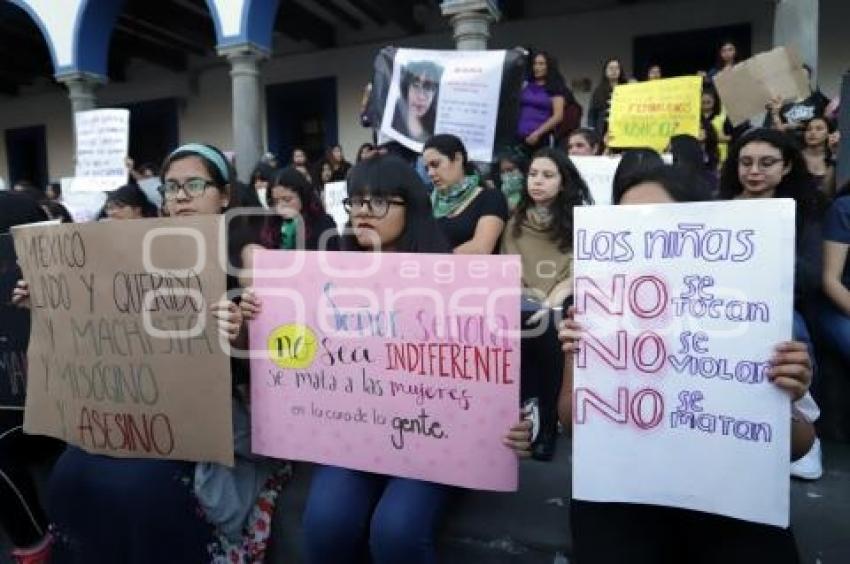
{"x":648,"y":114}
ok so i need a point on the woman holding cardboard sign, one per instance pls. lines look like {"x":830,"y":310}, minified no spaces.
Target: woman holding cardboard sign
{"x":352,"y":515}
{"x":609,"y":532}
{"x":108,"y":510}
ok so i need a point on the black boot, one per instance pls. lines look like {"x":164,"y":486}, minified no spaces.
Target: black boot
{"x":543,"y":448}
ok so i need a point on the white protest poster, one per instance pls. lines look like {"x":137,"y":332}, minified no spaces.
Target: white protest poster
{"x":102,"y":141}
{"x":598,"y":174}
{"x":681,"y":306}
{"x":453,"y":92}
{"x":334,"y":193}
{"x":150,"y":186}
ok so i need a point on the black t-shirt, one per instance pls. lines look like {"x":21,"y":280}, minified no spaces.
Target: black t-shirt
{"x":461,"y":228}
{"x":799,"y":112}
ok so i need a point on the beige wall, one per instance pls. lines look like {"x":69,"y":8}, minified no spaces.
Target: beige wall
{"x":580,"y":42}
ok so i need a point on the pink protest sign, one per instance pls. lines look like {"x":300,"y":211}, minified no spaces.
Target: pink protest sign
{"x":398,"y":364}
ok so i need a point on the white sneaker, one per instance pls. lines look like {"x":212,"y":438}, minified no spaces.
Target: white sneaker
{"x":810,"y":466}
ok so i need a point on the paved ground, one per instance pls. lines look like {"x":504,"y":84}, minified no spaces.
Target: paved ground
{"x":532,"y":527}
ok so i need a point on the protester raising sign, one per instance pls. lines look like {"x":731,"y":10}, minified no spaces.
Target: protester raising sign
{"x":472,"y":94}
{"x":124,"y":357}
{"x":103,"y":138}
{"x":648,"y":114}
{"x":748,"y":86}
{"x":682,"y":306}
{"x":408,"y":366}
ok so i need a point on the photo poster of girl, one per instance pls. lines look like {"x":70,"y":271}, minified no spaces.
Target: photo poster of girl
{"x":418,"y":93}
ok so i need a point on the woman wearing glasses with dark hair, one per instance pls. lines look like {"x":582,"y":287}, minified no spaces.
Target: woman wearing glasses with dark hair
{"x":107,"y":510}
{"x":353,"y":515}
{"x":416,"y":109}
{"x":767,"y":163}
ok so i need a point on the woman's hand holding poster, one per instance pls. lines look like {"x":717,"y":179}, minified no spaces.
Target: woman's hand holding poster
{"x":407,"y":366}
{"x":682,"y":306}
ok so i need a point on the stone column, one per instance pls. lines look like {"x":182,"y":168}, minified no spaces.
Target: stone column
{"x":81,"y":87}
{"x":795,"y":24}
{"x":247,"y":105}
{"x":471,"y":21}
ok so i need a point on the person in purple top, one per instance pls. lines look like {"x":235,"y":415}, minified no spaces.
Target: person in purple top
{"x":542,"y":101}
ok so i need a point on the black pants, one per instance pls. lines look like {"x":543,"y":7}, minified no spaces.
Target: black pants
{"x":21,"y":514}
{"x":542,"y":367}
{"x":624,"y":533}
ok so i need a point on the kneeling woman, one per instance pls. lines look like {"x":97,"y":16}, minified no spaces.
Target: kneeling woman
{"x":352,"y":515}
{"x":139,"y":511}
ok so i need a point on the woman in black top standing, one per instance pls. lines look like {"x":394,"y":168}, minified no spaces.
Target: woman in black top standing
{"x":472,"y":217}
{"x":612,"y":75}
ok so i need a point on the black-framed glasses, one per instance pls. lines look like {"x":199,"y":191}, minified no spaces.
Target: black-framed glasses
{"x":377,"y":206}
{"x":426,"y":86}
{"x":193,"y":187}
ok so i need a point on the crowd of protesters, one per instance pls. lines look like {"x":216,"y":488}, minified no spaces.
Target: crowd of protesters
{"x":440,"y":201}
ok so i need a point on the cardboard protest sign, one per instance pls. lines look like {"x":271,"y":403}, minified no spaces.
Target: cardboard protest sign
{"x":102,"y":141}
{"x":124,"y":357}
{"x":648,"y":114}
{"x":14,"y":333}
{"x":334,"y":194}
{"x":747,"y":87}
{"x":682,"y":305}
{"x":395,"y":363}
{"x":472,"y":94}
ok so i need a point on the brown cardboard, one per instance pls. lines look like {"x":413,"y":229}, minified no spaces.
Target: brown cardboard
{"x":98,"y":377}
{"x":746,"y":89}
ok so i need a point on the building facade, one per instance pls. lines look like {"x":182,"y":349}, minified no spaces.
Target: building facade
{"x":251,"y":75}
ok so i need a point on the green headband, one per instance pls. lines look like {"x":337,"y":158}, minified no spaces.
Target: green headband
{"x":208,"y":153}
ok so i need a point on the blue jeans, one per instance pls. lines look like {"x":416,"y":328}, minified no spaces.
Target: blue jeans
{"x":352,"y":514}
{"x":835,"y":327}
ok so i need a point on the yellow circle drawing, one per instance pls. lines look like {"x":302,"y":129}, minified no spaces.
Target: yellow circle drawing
{"x":292,"y":346}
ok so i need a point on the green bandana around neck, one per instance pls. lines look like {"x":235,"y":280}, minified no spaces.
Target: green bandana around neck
{"x":288,"y":234}
{"x":447,"y":202}
{"x":513,"y":184}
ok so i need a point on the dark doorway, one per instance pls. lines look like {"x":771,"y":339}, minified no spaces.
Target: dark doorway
{"x":687,"y":52}
{"x":26,"y":154}
{"x":302,"y":114}
{"x":154,"y":130}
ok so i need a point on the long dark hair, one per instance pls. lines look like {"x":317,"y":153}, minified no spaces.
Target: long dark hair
{"x":633,"y":163}
{"x":604,"y":89}
{"x":409,"y":73}
{"x":451,"y":145}
{"x":711,"y":145}
{"x":390,"y":176}
{"x":709,"y":89}
{"x":797,"y":184}
{"x":574,"y":192}
{"x":554,"y":83}
{"x":675,"y":180}
{"x":311,"y":208}
{"x":263,"y":171}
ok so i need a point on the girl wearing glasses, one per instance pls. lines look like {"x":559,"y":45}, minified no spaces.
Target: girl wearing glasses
{"x":767,"y":163}
{"x":416,"y":110}
{"x":352,"y":515}
{"x":108,"y":510}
